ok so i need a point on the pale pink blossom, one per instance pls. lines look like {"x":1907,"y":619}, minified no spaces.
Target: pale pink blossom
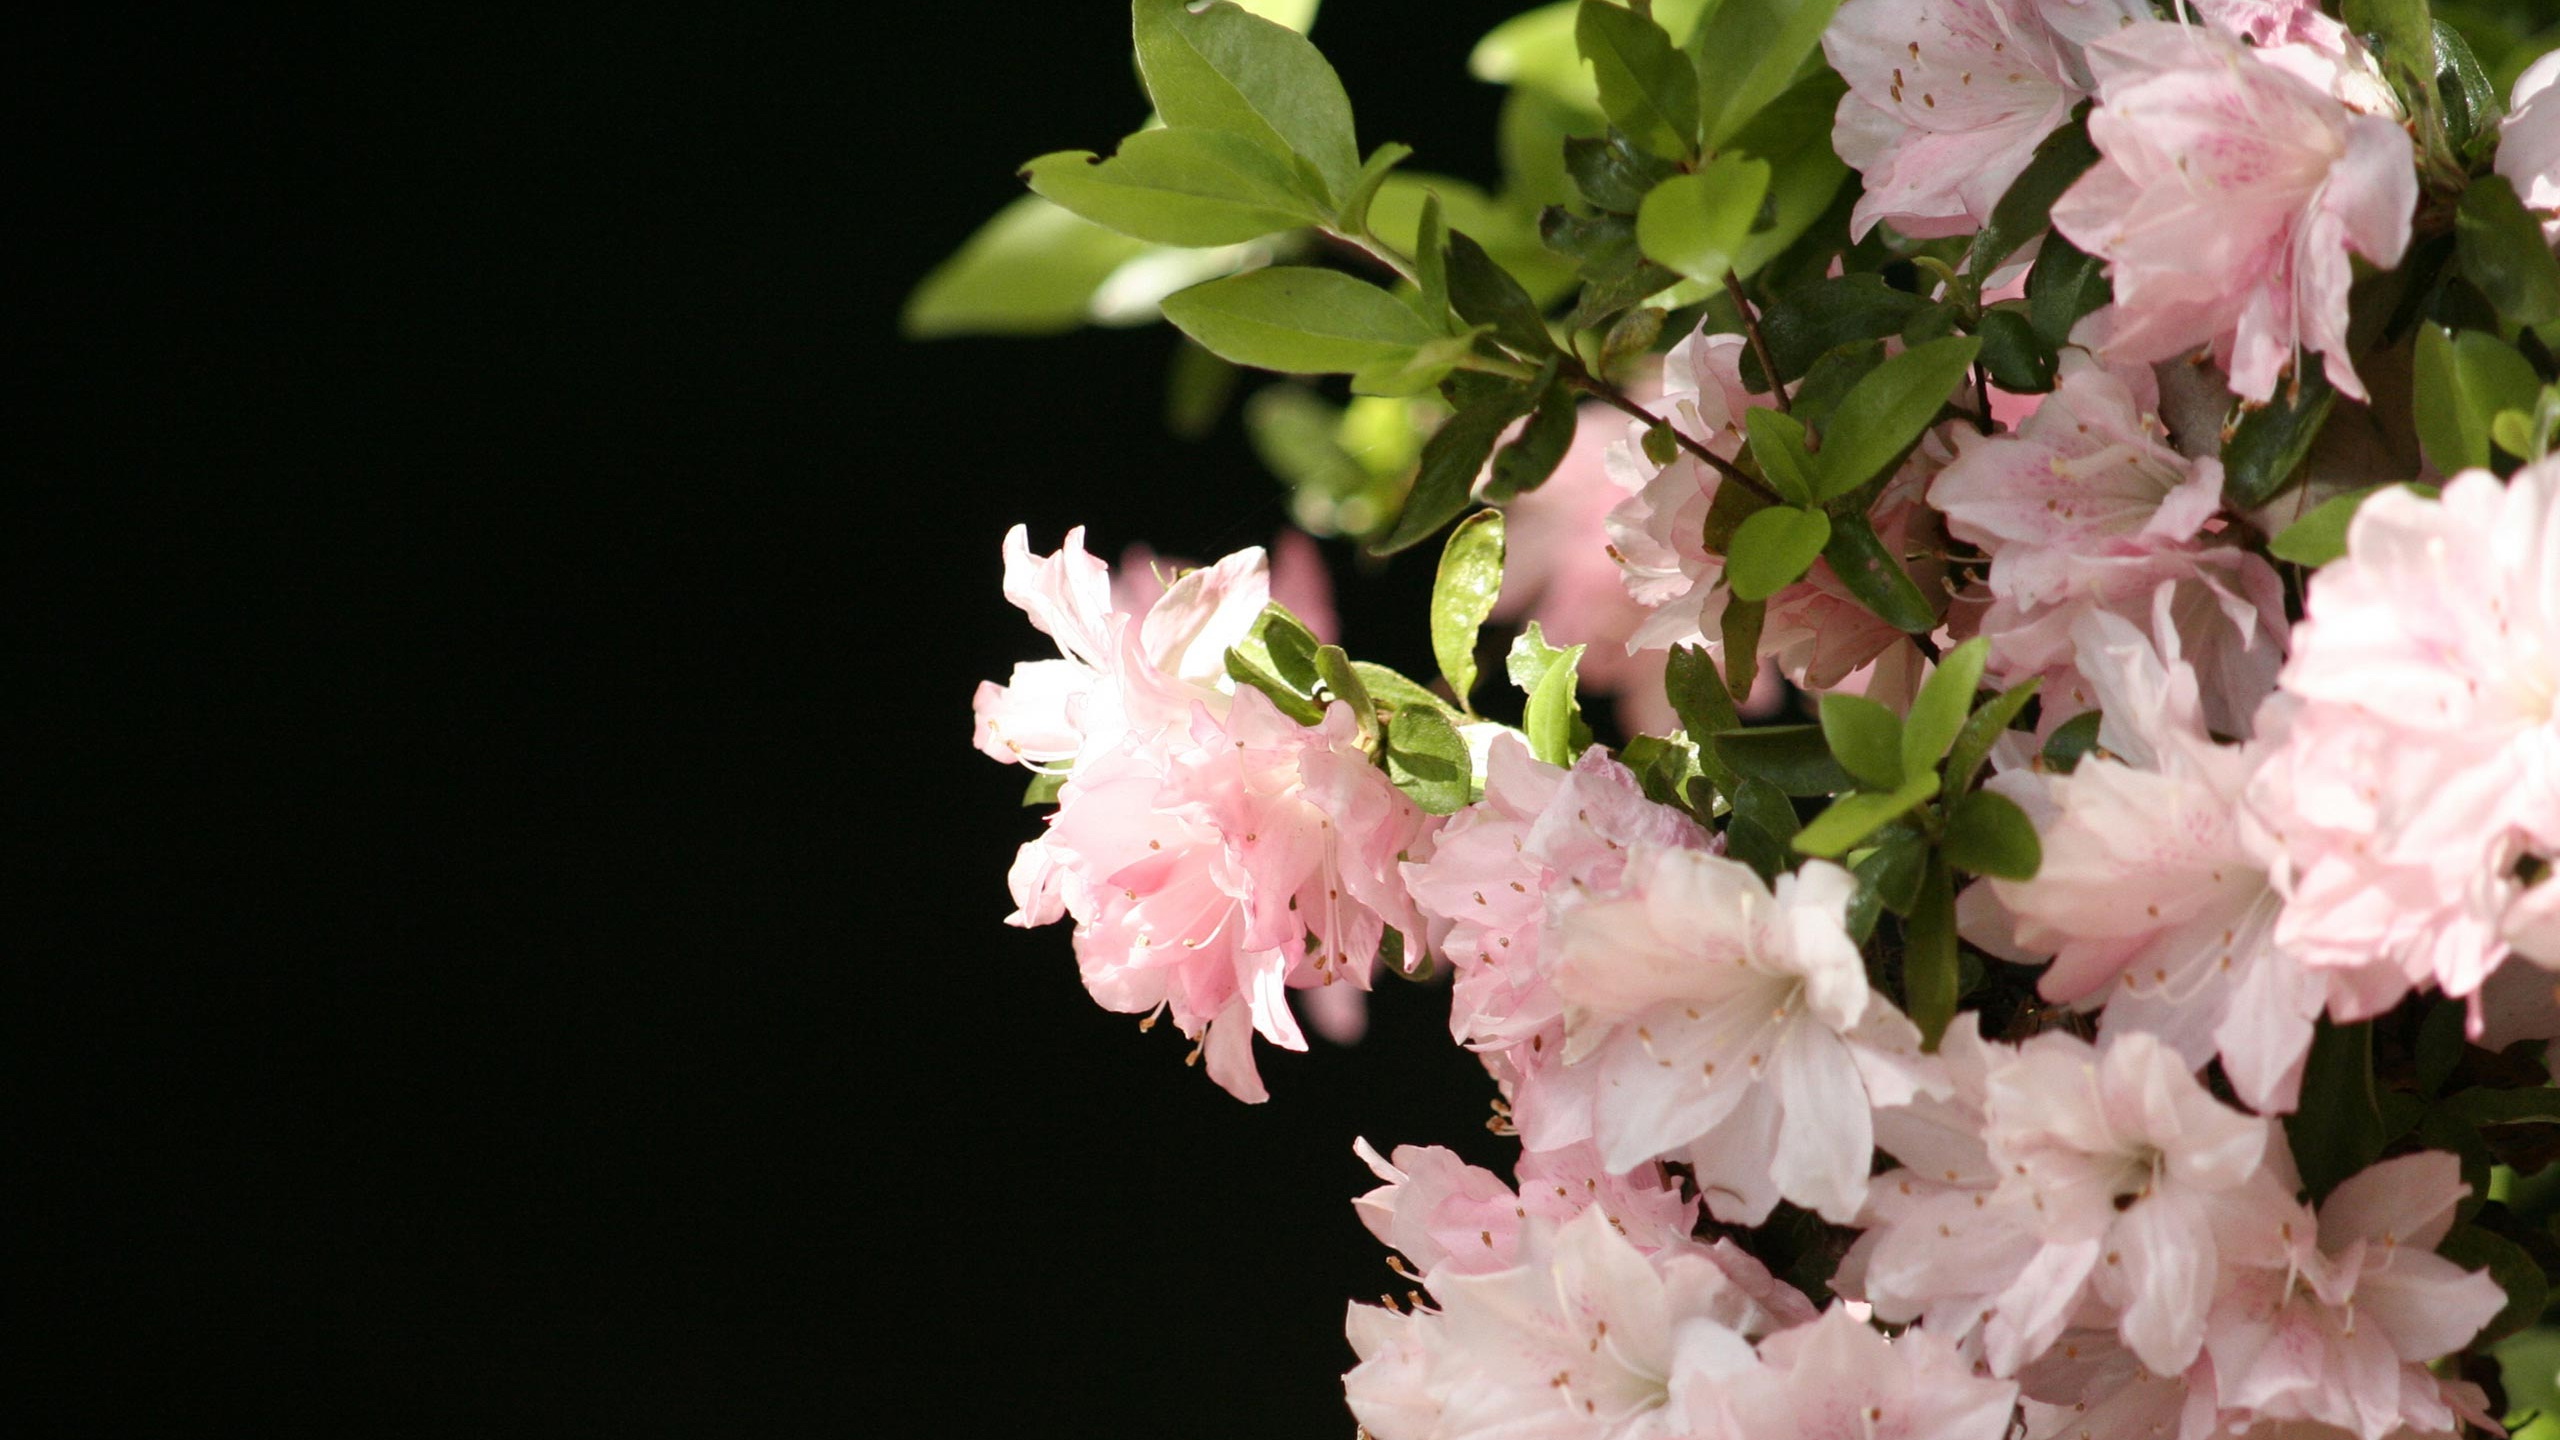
{"x":2228,"y":196}
{"x":2267,"y":22}
{"x":1500,"y":876}
{"x":2529,"y":141}
{"x":1209,"y":873}
{"x":1449,"y":1217}
{"x":1734,"y":1025}
{"x":2128,"y":1163}
{"x":2416,"y":798}
{"x":1586,"y":1338}
{"x":2333,"y":1319}
{"x":1837,"y":1379}
{"x":1558,"y":572}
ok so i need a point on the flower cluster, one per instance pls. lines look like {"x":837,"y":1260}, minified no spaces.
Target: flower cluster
{"x":2108,"y":1002}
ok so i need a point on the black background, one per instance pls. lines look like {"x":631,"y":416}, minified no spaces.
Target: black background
{"x":507,"y":916}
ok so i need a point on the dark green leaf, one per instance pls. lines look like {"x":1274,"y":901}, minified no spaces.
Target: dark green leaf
{"x":1222,"y":68}
{"x":2440,"y":1045}
{"x":1773,"y":549}
{"x":2027,"y":205}
{"x":1525,"y":463}
{"x":2338,"y":1129}
{"x":2512,"y":1266}
{"x":1777,"y":444}
{"x":1705,"y":709}
{"x":1292,"y":704}
{"x":1793,"y":758}
{"x":1614,"y":172}
{"x":2499,"y":247}
{"x":1747,"y":53}
{"x":1931,"y":978}
{"x":1888,"y":413}
{"x":2020,"y":360}
{"x":1289,"y":647}
{"x":2070,"y":741}
{"x":1031,"y":270}
{"x":1739,"y":629}
{"x":1895,"y":869}
{"x":1871,"y":574}
{"x":1855,"y":816}
{"x":2463,"y":381}
{"x":2472,"y":103}
{"x":1343,"y":683}
{"x":1176,"y":187}
{"x":2066,"y":284}
{"x":1398,"y":692}
{"x":1832,"y":378}
{"x":1696,"y":224}
{"x":1760,"y":827}
{"x":1982,"y":731}
{"x":1663,"y":766}
{"x":1431,"y":263}
{"x":1987,"y":834}
{"x":1809,"y":321}
{"x":1462,"y":594}
{"x":1602,"y":246}
{"x":1866,"y":738}
{"x":1792,"y":133}
{"x":1298,"y":319}
{"x":1427,"y":759}
{"x":1044,"y":787}
{"x":1485,"y":294}
{"x":2264,"y":451}
{"x":1647,"y":87}
{"x":1633,"y":335}
{"x":1451,"y":460}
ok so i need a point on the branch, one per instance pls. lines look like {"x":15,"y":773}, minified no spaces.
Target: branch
{"x":1759,"y":342}
{"x":1607,"y":394}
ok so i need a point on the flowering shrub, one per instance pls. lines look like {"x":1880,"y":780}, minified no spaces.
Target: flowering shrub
{"x":2114,"y":1003}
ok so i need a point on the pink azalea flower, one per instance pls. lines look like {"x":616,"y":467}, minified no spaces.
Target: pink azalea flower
{"x":2128,"y":1164}
{"x":2529,"y":141}
{"x":1734,"y":1025}
{"x":2228,"y":195}
{"x":1558,"y":572}
{"x":1501,"y":873}
{"x":1587,"y":1338}
{"x":1447,"y":1216}
{"x":1837,"y":1379}
{"x":2417,"y":792}
{"x":2333,"y":1319}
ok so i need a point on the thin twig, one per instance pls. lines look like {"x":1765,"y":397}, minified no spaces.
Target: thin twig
{"x":1982,"y":387}
{"x":1726,"y":468}
{"x":1759,"y":342}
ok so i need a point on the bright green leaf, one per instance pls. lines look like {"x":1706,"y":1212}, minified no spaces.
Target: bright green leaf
{"x":1427,"y":759}
{"x":1647,"y":87}
{"x":1176,"y":187}
{"x":1354,"y":216}
{"x":1938,"y":712}
{"x":1553,"y":719}
{"x":1399,"y":692}
{"x":1044,"y":787}
{"x":1462,"y":595}
{"x":1866,"y":738}
{"x":1297,"y":707}
{"x":1777,"y":443}
{"x":1987,"y":834}
{"x":2464,"y":379}
{"x":1344,"y":684}
{"x":1773,"y":549}
{"x":1221,"y":68}
{"x":1299,"y":320}
{"x":1031,"y":270}
{"x":1663,"y":766}
{"x":1855,"y":816}
{"x":1747,"y":52}
{"x":1536,"y":51}
{"x":1431,"y":264}
{"x":1697,"y":223}
{"x":1888,"y":413}
{"x":2321,"y":536}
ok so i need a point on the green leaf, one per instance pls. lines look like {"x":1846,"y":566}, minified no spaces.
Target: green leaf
{"x":1871,"y":574}
{"x":2065,"y":285}
{"x":1044,"y":787}
{"x":1427,"y":759}
{"x":2026,"y":207}
{"x":1982,"y":731}
{"x":2263,"y":453}
{"x":1462,"y":594}
{"x":1431,"y":264}
{"x":1343,"y":683}
{"x":1292,"y":704}
{"x":1889,"y":412}
{"x":1810,"y":321}
{"x":1777,"y":443}
{"x":2321,"y":536}
{"x":1932,"y":980}
{"x":2512,"y":1266}
{"x":1417,"y":370}
{"x":1613,"y":172}
{"x":1987,"y":834}
{"x":1508,"y":233}
{"x":1895,"y":869}
{"x":2464,"y":380}
{"x":2512,"y":431}
{"x":1530,"y":658}
{"x":2018,"y":359}
{"x":2071,"y":741}
{"x":2498,"y":246}
{"x":1938,"y":711}
{"x":1176,"y":187}
{"x":1288,"y":648}
{"x":1398,"y":692}
{"x":1832,"y":378}
{"x":1536,"y":51}
{"x":1484,"y":293}
{"x":1866,"y":737}
{"x":1662,"y":765}
{"x":2473,"y":103}
{"x":1525,"y":463}
{"x":1747,"y":52}
{"x":1705,"y":709}
{"x":1739,"y":630}
{"x":1793,"y":758}
{"x":1792,"y":133}
{"x":1696,"y":224}
{"x":1773,"y":549}
{"x":1552,"y":719}
{"x":1451,"y":460}
{"x":1298,"y":320}
{"x":1647,"y":87}
{"x":1633,"y":335}
{"x":1855,"y":816}
{"x":1532,"y":133}
{"x":2338,"y":1129}
{"x":2440,"y":1045}
{"x":1031,"y":270}
{"x":1222,"y":68}
{"x":1761,"y":825}
{"x":1354,"y":215}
